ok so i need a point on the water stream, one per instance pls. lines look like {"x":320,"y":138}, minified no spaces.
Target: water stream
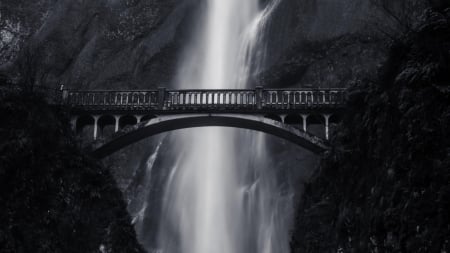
{"x":222,"y":196}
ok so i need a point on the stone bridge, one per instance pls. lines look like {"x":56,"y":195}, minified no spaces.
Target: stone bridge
{"x":119,"y":118}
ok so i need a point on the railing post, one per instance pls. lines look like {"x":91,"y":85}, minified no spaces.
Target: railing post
{"x":259,"y":97}
{"x":73,"y":123}
{"x":161,"y":97}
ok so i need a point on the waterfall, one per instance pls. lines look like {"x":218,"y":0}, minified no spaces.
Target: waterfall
{"x":222,"y":195}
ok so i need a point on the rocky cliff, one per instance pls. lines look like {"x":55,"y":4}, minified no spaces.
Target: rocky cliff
{"x":54,"y":198}
{"x":385,"y":186}
{"x":96,"y":44}
{"x":118,"y":44}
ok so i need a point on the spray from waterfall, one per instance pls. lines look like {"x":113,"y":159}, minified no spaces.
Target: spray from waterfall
{"x":220,"y":196}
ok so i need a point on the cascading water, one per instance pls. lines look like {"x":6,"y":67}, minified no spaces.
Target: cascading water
{"x":222,"y":196}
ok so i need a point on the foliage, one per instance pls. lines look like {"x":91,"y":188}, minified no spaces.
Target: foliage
{"x":53,"y":198}
{"x":385,"y":187}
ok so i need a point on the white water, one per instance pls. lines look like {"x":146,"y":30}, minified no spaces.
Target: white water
{"x":221,"y":196}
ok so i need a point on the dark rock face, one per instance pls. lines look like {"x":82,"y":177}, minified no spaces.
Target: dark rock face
{"x":137,"y":44}
{"x":53,"y":198}
{"x":323,"y":43}
{"x":106,"y":44}
{"x":385,"y":187}
{"x":337,"y":62}
{"x":19,"y":20}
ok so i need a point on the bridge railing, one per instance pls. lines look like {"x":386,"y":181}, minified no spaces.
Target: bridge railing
{"x":179,"y":99}
{"x":163,"y":99}
{"x":303,"y":97}
{"x":108,"y":99}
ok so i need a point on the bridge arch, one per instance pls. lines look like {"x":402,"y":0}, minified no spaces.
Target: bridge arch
{"x":273,"y":117}
{"x":167,"y":123}
{"x":127,"y":120}
{"x":148,"y":117}
{"x":106,"y":124}
{"x":84,"y":121}
{"x":293,"y":119}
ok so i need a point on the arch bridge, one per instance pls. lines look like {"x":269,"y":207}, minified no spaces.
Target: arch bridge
{"x":119,"y":118}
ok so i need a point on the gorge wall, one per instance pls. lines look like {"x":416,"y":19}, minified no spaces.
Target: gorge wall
{"x":110,"y":44}
{"x":384,"y":188}
{"x":53,"y":197}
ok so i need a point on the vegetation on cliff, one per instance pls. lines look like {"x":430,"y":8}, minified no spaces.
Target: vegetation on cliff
{"x":53,"y":198}
{"x":385,"y":188}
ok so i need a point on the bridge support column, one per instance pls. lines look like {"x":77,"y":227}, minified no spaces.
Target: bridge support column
{"x":117,"y":118}
{"x":96,"y":127}
{"x":65,"y":95}
{"x":73,"y":123}
{"x":138,"y":118}
{"x":327,"y":125}
{"x":305,"y":123}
